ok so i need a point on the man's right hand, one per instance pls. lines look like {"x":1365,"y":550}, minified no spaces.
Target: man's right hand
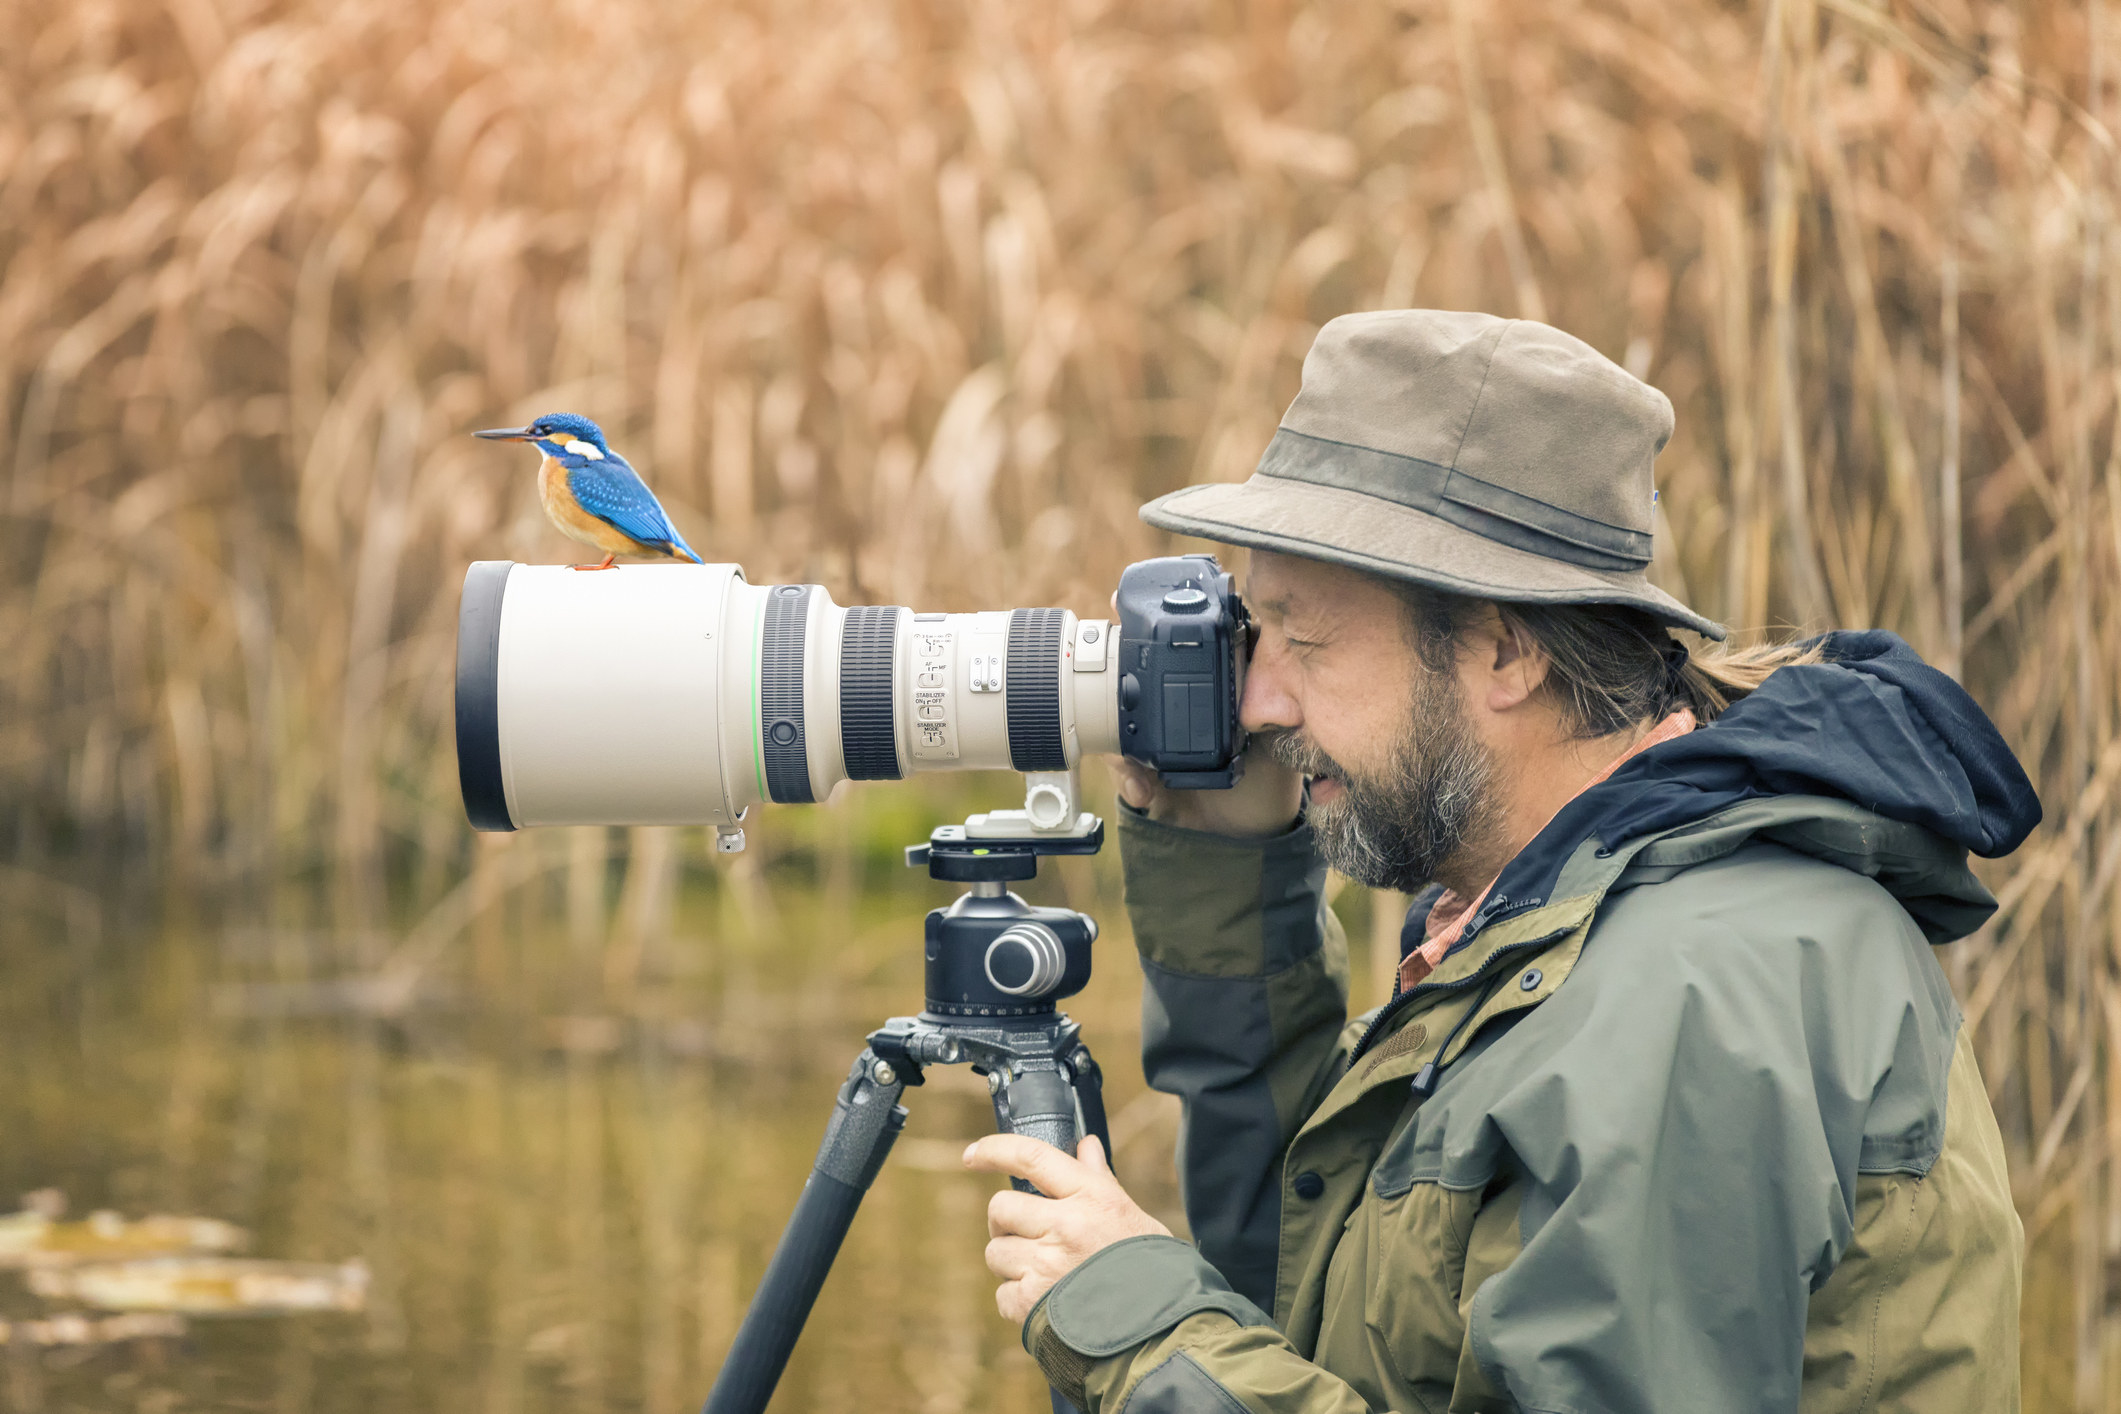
{"x":1264,"y":802}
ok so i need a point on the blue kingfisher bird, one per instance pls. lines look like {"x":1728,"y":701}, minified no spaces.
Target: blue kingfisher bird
{"x":593,"y":494}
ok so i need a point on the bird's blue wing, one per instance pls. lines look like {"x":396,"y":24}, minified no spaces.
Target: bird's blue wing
{"x":611,"y":491}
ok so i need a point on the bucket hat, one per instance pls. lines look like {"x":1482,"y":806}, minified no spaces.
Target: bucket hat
{"x":1499,"y":458}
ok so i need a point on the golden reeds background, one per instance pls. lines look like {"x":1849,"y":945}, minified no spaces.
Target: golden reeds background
{"x":921,"y":300}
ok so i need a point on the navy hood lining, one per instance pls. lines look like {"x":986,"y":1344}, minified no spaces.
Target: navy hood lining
{"x":1873,"y":724}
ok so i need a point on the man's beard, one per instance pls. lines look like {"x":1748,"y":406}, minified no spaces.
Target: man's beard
{"x":1397,"y":826}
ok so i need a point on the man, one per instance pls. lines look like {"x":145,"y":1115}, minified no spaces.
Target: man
{"x":1673,"y":1109}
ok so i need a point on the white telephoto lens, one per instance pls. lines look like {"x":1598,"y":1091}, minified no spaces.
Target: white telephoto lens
{"x":682,"y":695}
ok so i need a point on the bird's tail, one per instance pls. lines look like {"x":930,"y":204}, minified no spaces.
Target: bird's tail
{"x":680,"y":550}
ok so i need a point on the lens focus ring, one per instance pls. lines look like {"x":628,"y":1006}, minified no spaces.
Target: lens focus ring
{"x":1026,"y":961}
{"x":868,"y":735}
{"x":1034,"y":691}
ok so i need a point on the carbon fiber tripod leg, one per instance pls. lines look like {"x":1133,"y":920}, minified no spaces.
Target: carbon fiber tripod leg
{"x":1041,"y":1079}
{"x":1090,"y":1094}
{"x":864,"y":1123}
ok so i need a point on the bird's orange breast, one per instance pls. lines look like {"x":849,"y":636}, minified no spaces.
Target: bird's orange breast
{"x":564,"y":511}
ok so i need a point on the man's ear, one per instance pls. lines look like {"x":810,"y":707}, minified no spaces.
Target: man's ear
{"x":1517,"y":665}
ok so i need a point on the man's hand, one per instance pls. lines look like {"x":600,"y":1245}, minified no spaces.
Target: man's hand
{"x":1034,"y":1241}
{"x":1262,"y":804}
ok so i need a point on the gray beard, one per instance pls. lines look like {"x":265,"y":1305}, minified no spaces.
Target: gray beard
{"x":1396,"y":828}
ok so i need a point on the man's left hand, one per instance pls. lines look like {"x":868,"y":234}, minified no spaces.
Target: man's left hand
{"x":1035,"y":1240}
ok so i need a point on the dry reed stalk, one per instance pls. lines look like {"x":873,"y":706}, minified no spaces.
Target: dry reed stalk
{"x":922,"y":302}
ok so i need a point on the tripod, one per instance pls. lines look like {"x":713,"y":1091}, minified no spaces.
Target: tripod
{"x":995,"y":967}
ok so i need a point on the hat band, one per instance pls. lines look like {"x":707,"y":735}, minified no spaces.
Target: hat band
{"x":1493,"y":512}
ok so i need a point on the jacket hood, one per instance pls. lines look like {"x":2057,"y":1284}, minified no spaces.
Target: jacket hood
{"x":1873,"y":727}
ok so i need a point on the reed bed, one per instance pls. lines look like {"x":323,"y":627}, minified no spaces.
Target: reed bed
{"x":920,"y":301}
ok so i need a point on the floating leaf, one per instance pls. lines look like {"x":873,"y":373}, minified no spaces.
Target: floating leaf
{"x":73,"y":1328}
{"x":207,"y":1286}
{"x":33,"y":1238}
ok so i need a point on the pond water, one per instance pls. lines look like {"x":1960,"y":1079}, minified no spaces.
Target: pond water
{"x":564,"y":1182}
{"x":562,"y":1142}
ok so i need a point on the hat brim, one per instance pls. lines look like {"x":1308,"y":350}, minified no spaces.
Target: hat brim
{"x":1383,"y":537}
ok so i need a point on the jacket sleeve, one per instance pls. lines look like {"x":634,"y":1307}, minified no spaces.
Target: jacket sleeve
{"x":1146,"y":1326}
{"x":1243,"y":1004}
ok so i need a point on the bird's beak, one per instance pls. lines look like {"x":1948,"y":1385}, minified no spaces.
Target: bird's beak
{"x":506,"y":434}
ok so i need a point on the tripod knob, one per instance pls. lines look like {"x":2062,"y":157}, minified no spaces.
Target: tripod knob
{"x":1026,"y":960}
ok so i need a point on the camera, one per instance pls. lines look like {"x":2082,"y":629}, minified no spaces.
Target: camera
{"x":683,"y":695}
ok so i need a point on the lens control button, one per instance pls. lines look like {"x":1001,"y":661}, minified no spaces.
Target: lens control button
{"x":1093,"y":646}
{"x":783,"y":733}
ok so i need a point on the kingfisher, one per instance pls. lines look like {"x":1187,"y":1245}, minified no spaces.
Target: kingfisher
{"x":593,"y":494}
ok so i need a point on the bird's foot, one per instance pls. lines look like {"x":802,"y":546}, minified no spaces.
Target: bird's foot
{"x":610,"y":562}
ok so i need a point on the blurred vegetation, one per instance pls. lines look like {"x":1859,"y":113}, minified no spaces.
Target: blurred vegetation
{"x":919,"y":301}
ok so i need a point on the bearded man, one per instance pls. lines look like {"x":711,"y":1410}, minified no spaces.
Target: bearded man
{"x":1672,"y":1109}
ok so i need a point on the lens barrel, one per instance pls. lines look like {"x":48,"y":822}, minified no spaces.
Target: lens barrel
{"x":680,"y":694}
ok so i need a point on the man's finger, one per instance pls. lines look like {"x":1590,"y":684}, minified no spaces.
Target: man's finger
{"x":1014,"y":1300}
{"x":1011,"y":1257}
{"x":1091,"y":1155}
{"x":1034,"y":1160}
{"x":1010,"y":1213}
{"x":1134,"y":783}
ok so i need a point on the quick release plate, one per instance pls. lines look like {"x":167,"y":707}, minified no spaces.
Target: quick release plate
{"x":955,"y":857}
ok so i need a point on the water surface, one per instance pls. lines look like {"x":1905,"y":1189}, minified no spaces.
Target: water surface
{"x":565,"y":1166}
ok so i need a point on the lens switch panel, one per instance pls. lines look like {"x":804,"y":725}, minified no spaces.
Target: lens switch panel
{"x":934,"y":723}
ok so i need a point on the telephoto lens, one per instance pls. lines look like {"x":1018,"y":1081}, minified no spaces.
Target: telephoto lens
{"x":683,"y":695}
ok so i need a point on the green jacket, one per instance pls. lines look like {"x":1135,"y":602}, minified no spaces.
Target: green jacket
{"x":1708,"y":1136}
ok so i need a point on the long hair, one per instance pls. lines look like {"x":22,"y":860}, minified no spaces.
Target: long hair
{"x":1610,"y":667}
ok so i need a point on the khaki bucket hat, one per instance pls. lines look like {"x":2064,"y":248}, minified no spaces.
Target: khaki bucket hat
{"x":1499,"y":458}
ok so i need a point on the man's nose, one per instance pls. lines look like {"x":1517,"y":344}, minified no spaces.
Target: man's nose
{"x":1268,"y":703}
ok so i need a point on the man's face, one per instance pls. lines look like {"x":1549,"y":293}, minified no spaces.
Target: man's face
{"x":1399,"y":777}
